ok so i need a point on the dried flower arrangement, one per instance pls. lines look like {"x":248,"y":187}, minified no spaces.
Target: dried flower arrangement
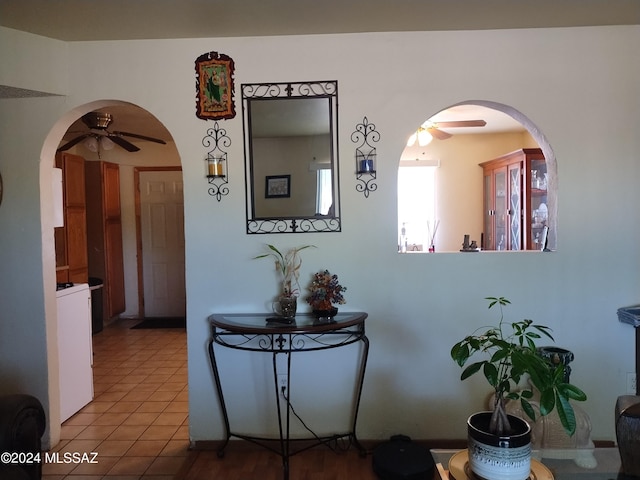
{"x":325,"y":291}
{"x":288,"y":265}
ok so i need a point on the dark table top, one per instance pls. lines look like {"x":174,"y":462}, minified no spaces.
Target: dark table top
{"x":303,"y":323}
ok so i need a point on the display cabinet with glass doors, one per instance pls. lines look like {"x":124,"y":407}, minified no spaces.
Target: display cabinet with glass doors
{"x":515,"y":201}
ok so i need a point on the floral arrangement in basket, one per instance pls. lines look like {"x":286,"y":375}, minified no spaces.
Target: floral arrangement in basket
{"x":288,"y":266}
{"x":325,"y":291}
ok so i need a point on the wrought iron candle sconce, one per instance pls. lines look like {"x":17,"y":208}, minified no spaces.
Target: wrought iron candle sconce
{"x":365,"y":156}
{"x":216,"y":161}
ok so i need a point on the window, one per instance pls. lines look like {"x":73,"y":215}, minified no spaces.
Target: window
{"x":324,"y":199}
{"x":416,"y":206}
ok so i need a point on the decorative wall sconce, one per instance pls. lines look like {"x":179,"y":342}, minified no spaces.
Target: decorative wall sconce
{"x":365,"y":156}
{"x":216,"y":161}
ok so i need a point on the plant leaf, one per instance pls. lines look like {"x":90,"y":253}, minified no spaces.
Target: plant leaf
{"x":544,"y":330}
{"x":571,"y":392}
{"x":491,"y":373}
{"x":566,"y":414}
{"x":528,"y":409}
{"x":460,"y":353}
{"x":499,"y":355}
{"x":470,"y":370}
{"x":526,"y":394}
{"x":547,"y":401}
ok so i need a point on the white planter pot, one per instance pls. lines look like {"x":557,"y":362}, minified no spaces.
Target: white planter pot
{"x":499,"y":457}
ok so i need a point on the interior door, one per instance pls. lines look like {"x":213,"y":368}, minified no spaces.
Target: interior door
{"x":162,"y":239}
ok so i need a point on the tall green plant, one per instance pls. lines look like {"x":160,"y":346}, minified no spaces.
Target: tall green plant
{"x":511,"y":353}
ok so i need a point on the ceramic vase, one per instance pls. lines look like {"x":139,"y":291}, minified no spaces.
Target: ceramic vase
{"x":499,"y":457}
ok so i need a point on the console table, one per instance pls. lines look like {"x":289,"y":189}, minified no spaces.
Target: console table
{"x":252,"y":333}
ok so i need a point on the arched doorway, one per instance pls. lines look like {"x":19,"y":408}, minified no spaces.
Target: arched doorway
{"x":132,"y":119}
{"x":466,"y":135}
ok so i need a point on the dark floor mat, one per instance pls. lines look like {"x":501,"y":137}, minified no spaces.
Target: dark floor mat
{"x":162,"y":322}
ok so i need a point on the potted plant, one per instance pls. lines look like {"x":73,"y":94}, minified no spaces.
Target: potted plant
{"x":324,"y":292}
{"x":510,"y":354}
{"x":288,"y":266}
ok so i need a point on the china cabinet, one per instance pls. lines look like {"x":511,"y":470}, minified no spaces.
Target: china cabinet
{"x":515,"y":201}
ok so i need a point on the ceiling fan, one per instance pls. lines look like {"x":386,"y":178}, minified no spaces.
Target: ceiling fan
{"x":98,"y":122}
{"x":430,"y":130}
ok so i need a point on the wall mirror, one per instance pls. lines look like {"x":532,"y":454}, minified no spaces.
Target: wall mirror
{"x":291,"y":157}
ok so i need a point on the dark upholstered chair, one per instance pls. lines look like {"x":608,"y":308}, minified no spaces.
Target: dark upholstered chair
{"x":22,"y":424}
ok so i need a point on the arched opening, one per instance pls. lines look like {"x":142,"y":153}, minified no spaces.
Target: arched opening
{"x":456,"y":204}
{"x":149,"y":156}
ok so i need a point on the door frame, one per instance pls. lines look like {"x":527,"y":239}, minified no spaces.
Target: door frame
{"x":138,"y":214}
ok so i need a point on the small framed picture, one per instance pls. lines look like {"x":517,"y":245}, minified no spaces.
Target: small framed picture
{"x":277,"y":186}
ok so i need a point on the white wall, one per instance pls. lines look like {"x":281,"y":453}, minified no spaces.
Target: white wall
{"x":38,"y":67}
{"x":579,"y":86}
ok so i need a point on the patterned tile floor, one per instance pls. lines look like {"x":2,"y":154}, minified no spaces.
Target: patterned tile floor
{"x":138,"y":421}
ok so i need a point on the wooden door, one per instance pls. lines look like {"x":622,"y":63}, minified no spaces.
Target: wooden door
{"x":114,"y":264}
{"x":162,"y":239}
{"x":72,"y":237}
{"x":104,"y":228}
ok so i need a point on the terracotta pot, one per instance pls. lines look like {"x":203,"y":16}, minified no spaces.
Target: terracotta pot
{"x":499,"y":457}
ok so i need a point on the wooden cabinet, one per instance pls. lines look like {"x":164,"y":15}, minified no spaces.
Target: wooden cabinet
{"x":515,"y":196}
{"x":71,"y":238}
{"x":104,"y":233}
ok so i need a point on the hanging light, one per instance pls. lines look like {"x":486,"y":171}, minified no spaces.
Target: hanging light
{"x":96,"y":143}
{"x":92,"y":144}
{"x":423,"y":137}
{"x":106,"y":143}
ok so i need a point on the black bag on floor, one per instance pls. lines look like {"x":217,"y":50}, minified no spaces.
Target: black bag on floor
{"x":402,"y":459}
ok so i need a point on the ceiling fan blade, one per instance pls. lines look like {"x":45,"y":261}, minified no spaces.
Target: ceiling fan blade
{"x":439,"y":134}
{"x":141,"y":137}
{"x":128,"y":146}
{"x":73,"y":142}
{"x":461,"y":123}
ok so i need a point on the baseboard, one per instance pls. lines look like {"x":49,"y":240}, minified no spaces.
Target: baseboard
{"x":369,"y":445}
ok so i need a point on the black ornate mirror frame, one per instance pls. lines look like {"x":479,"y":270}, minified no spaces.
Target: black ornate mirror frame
{"x":291,"y":90}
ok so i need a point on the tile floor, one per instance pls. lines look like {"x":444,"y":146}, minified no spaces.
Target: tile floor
{"x":138,"y":420}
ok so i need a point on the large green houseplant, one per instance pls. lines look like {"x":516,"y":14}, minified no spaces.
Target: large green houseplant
{"x":510,"y":353}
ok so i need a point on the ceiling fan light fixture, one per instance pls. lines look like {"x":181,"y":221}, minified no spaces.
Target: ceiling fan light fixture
{"x":106,"y":143}
{"x":424,"y":137}
{"x":91,"y":143}
{"x":97,"y":120}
